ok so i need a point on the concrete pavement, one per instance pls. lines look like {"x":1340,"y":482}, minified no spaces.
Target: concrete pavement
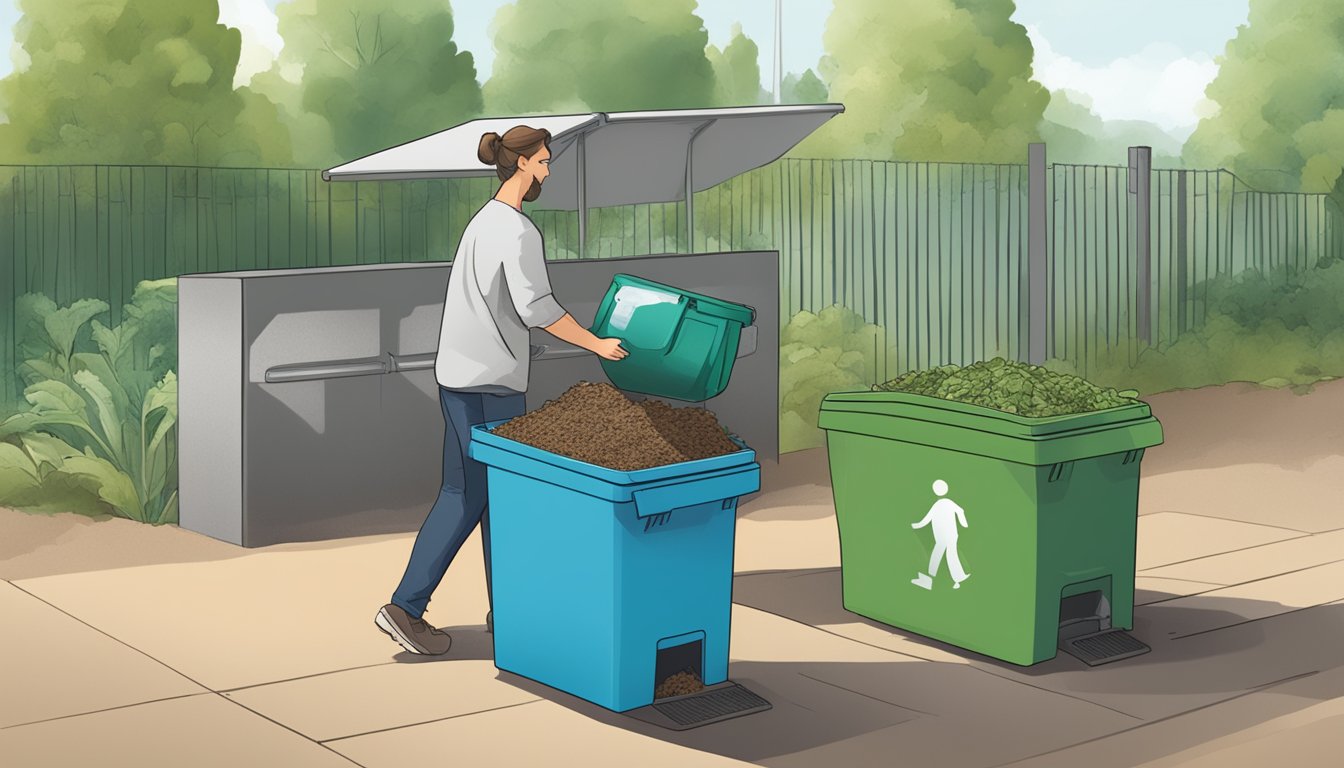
{"x":171,"y":649}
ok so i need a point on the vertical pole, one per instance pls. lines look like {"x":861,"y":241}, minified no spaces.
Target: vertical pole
{"x":1037,"y":293}
{"x":582,"y":162}
{"x":1181,"y":250}
{"x":690,"y":187}
{"x":779,"y":46}
{"x":690,"y":197}
{"x":1140,"y":185}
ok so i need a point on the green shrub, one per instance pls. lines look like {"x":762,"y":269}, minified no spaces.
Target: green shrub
{"x":1311,"y":298}
{"x":100,"y":430}
{"x":1274,"y":331}
{"x":831,"y":351}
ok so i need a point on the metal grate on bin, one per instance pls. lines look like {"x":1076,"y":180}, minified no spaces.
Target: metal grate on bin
{"x":711,"y":706}
{"x":1105,"y":647}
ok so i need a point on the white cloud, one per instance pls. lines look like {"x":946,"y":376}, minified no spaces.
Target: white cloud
{"x":261,"y":35}
{"x":1160,"y":84}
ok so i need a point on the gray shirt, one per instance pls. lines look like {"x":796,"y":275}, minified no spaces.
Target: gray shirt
{"x":497,"y":290}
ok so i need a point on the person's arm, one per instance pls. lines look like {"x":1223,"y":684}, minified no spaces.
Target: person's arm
{"x":530,"y":291}
{"x":925,"y":521}
{"x":961,"y":515}
{"x":568,"y":330}
{"x":528,"y":284}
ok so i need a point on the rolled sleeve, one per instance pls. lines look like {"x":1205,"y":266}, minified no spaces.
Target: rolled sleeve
{"x":529,"y":286}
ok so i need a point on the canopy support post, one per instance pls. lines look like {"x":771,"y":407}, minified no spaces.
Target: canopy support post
{"x":690,"y":187}
{"x":582,"y":163}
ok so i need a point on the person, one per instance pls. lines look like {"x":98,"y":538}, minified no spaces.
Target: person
{"x":497,"y":290}
{"x":944,"y":516}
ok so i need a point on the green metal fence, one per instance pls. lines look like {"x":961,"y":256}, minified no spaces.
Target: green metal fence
{"x":935,"y":253}
{"x":1204,"y":225}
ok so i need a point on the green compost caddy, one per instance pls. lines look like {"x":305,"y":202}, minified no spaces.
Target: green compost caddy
{"x":1044,"y":515}
{"x":682,"y":344}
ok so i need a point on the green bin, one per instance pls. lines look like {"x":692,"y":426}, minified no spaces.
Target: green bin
{"x":682,"y":345}
{"x":1041,"y":509}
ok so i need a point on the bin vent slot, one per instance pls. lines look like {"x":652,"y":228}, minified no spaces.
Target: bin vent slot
{"x":1061,"y":471}
{"x":1103,"y":647}
{"x":711,"y":706}
{"x":653,"y":521}
{"x":1132,"y":456}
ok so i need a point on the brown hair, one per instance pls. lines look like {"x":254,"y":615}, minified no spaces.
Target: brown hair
{"x":503,"y":152}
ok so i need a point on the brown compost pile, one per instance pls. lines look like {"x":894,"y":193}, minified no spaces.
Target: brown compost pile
{"x":680,"y":684}
{"x":596,"y":423}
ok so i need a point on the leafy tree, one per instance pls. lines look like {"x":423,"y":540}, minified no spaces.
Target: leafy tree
{"x":607,"y":55}
{"x":356,"y":76}
{"x":149,"y":81}
{"x":806,"y":88}
{"x":929,"y":80}
{"x":1280,"y":99}
{"x":1076,"y":134}
{"x":737,"y":72}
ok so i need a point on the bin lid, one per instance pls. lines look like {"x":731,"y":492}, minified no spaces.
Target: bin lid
{"x":630,"y":157}
{"x":952,"y":412}
{"x":597,"y":480}
{"x":974,"y":429}
{"x":709,"y":305}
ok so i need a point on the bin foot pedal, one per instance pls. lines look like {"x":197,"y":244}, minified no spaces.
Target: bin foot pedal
{"x":712,"y":705}
{"x":1103,"y":647}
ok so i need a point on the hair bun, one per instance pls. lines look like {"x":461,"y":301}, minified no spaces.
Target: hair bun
{"x":488,"y":151}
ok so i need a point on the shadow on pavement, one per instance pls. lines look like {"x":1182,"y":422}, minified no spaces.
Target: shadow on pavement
{"x":1222,"y":645}
{"x":920,"y":709}
{"x":808,"y":711}
{"x":470,"y":643}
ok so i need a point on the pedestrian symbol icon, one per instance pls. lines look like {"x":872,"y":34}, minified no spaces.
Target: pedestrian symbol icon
{"x":943,"y":517}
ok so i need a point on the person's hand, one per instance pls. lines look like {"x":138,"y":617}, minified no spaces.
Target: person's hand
{"x":609,"y":349}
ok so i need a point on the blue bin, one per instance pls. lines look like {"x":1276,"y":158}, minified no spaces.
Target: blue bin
{"x":599,"y":575}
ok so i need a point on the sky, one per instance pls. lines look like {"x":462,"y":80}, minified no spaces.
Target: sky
{"x":1133,"y":59}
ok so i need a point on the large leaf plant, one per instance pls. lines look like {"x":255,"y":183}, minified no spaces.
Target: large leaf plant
{"x":100,"y":430}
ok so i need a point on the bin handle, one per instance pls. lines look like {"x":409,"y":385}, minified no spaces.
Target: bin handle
{"x":418,"y":362}
{"x":662,"y":499}
{"x":746,"y":342}
{"x":545,"y":352}
{"x":332,"y":369}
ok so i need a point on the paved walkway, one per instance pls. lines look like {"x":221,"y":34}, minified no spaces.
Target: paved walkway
{"x":128,"y":645}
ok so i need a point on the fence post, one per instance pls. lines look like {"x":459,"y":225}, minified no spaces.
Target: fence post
{"x":1037,"y":294}
{"x":1183,"y":313}
{"x":1140,"y":185}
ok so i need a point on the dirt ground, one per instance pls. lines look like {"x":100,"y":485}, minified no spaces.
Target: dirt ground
{"x":1240,"y":594}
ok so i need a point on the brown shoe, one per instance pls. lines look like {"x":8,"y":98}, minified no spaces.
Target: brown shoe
{"x":411,"y":633}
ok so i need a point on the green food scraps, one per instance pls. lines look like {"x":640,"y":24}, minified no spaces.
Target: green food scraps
{"x":1012,"y":387}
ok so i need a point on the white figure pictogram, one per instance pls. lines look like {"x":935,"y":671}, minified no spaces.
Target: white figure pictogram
{"x":944,"y":516}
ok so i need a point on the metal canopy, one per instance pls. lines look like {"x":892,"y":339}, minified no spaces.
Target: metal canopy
{"x":612,"y":158}
{"x":452,"y":153}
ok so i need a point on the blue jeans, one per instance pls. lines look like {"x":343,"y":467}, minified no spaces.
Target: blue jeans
{"x":462,"y":499}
